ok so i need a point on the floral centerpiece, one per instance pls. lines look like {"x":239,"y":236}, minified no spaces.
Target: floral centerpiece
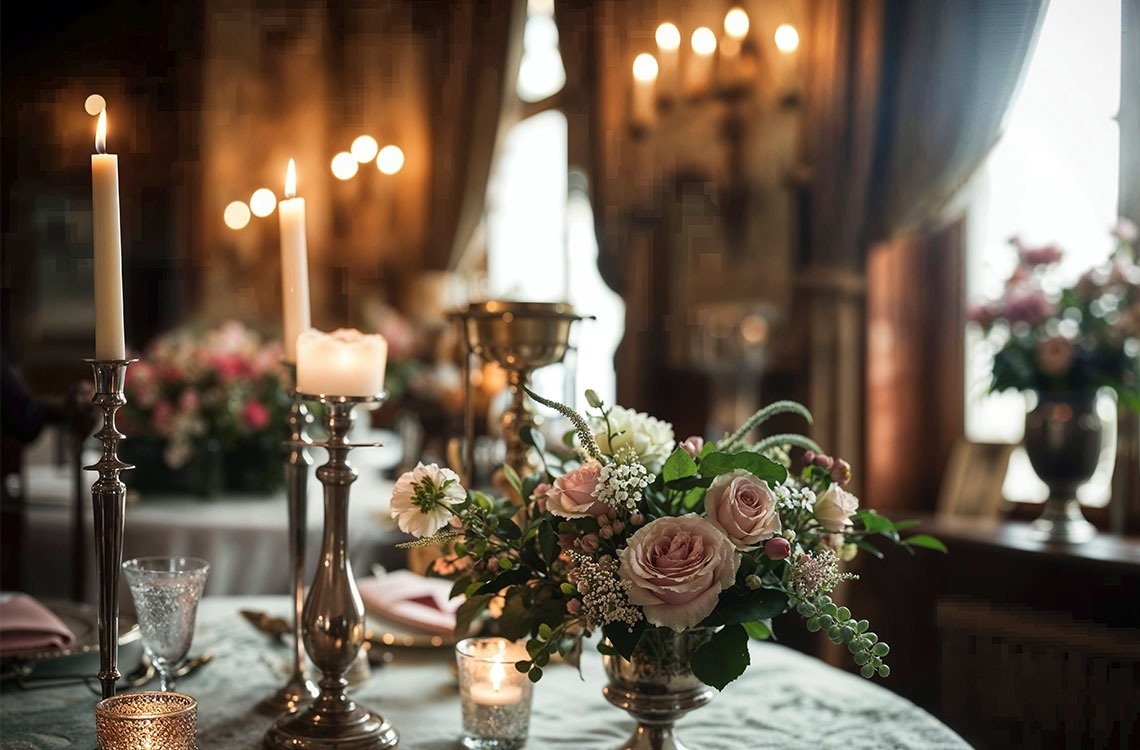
{"x":207,"y":409}
{"x":1067,"y":339}
{"x":637,"y":537}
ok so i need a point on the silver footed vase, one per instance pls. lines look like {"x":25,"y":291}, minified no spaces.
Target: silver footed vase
{"x":1063,"y":439}
{"x":657,"y":687}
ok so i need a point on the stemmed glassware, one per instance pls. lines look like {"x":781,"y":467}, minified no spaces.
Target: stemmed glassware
{"x":166,"y":591}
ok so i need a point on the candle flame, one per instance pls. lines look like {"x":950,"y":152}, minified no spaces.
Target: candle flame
{"x":291,"y":180}
{"x":101,"y":133}
{"x":497,"y":675}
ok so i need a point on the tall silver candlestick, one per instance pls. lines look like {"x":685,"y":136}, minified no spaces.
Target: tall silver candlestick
{"x":333,"y":618}
{"x":108,"y":503}
{"x":298,"y":690}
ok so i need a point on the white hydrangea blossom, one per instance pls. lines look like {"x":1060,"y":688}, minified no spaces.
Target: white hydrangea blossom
{"x":649,"y":437}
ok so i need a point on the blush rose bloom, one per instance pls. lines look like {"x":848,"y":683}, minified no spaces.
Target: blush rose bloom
{"x":743,"y":506}
{"x":421,"y":499}
{"x":834,"y":508}
{"x":677,"y":567}
{"x":572,"y":495}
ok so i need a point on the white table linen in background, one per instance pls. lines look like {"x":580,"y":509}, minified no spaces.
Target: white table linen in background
{"x":243,"y":537}
{"x":785,"y":701}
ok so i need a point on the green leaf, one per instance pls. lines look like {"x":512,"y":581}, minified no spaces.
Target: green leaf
{"x":869,"y":548}
{"x":460,"y":586}
{"x":761,"y":631}
{"x":927,"y":541}
{"x":693,"y":498}
{"x":515,"y":621}
{"x":513,"y":478}
{"x":750,"y":605}
{"x":468,"y":611}
{"x":624,"y":638}
{"x":685,"y":484}
{"x":547,"y":541}
{"x":533,"y":438}
{"x":873,"y":522}
{"x":679,"y":464}
{"x":723,"y":658}
{"x":761,"y":466}
{"x":499,"y":582}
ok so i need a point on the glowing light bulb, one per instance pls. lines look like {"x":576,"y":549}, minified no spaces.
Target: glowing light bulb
{"x":787,"y":38}
{"x":364,"y":149}
{"x":736,"y":23}
{"x":645,"y":67}
{"x":344,"y":167}
{"x":704,"y":41}
{"x":390,"y":160}
{"x":668,"y":37}
{"x":94,"y":104}
{"x":262,"y":202}
{"x":236,"y":215}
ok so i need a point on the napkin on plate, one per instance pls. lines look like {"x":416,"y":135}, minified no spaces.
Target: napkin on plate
{"x":27,"y":625}
{"x":411,"y":599}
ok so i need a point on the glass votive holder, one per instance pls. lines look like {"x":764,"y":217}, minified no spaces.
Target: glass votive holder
{"x":147,"y":720}
{"x":494,"y":696}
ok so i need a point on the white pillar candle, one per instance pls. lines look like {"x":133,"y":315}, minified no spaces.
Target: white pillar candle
{"x":345,"y":362}
{"x":698,"y":71}
{"x":110,"y":339}
{"x":294,"y":265}
{"x":668,"y":39}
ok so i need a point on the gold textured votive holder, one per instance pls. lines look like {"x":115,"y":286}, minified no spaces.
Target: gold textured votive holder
{"x":148,"y":720}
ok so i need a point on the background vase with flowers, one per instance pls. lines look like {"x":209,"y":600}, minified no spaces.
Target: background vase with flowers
{"x":1062,"y":345}
{"x":206,"y":413}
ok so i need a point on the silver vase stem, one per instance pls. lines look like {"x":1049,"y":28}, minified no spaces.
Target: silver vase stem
{"x":333,"y":617}
{"x":108,"y":503}
{"x":298,"y":690}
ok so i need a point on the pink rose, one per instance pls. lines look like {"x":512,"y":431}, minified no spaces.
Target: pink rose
{"x":254,"y":415}
{"x":743,"y":507}
{"x":677,"y":567}
{"x":694,"y":445}
{"x":572,"y":495}
{"x":834,"y":508}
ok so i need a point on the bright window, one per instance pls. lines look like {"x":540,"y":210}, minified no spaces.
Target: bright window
{"x":1053,"y":178}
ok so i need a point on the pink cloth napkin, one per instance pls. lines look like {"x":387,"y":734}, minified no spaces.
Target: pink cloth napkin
{"x":26,"y":625}
{"x":411,"y":599}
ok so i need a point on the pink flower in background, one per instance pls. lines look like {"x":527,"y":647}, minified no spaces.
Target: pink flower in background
{"x":188,"y":401}
{"x":778,"y":548}
{"x":1039,"y":256}
{"x":983,"y":315}
{"x":693,"y":445}
{"x":1029,"y":306}
{"x":161,"y":417}
{"x":254,"y":415}
{"x":230,"y":367}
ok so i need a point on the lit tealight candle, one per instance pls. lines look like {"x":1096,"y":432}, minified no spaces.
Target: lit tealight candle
{"x":294,"y":264}
{"x":345,"y":362}
{"x":494,"y":692}
{"x":110,"y":339}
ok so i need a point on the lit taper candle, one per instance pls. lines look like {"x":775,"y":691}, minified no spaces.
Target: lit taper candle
{"x":294,"y":264}
{"x":110,"y":339}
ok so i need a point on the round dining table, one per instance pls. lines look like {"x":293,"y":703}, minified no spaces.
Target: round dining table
{"x":785,"y":701}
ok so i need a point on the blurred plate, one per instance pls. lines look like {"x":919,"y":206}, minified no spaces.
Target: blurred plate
{"x":83,"y":620}
{"x":388,"y":634}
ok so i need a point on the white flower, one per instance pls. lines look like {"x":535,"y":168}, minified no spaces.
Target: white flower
{"x":422,"y":499}
{"x":649,"y":437}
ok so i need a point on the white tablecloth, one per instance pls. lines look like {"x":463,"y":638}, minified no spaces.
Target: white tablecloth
{"x":243,"y":537}
{"x":785,"y":701}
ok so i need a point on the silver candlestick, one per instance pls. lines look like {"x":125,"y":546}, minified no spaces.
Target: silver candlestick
{"x":298,"y":690}
{"x":333,"y":617}
{"x":108,"y":503}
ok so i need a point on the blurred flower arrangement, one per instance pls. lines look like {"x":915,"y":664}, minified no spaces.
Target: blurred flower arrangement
{"x":214,"y":404}
{"x":1075,"y":339}
{"x":636,"y":537}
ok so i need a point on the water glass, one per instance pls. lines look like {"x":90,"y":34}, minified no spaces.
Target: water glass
{"x":166,"y":591}
{"x":494,"y":696}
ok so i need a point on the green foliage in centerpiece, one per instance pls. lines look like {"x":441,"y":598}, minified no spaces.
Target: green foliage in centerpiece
{"x":630,"y":534}
{"x":207,"y":411}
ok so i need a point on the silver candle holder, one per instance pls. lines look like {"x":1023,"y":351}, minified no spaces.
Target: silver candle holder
{"x":298,"y":690}
{"x":333,"y":616}
{"x":108,"y":503}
